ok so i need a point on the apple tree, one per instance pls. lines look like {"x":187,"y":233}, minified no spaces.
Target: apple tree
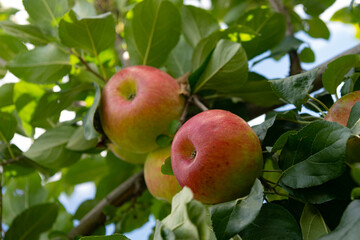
{"x":309,"y":186}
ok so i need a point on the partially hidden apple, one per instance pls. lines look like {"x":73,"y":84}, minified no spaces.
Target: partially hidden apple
{"x":130,"y":157}
{"x":340,"y":110}
{"x":217,"y":155}
{"x":160,"y":186}
{"x":138,"y":103}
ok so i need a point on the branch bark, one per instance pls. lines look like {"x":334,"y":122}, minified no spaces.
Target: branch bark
{"x":131,"y":188}
{"x":255,"y":111}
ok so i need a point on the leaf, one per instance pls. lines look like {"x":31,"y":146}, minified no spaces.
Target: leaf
{"x":109,"y":237}
{"x":316,"y":7}
{"x":84,"y":208}
{"x":312,"y":223}
{"x":88,"y":120}
{"x":230,"y":218}
{"x":10,"y":47}
{"x":226,"y":71}
{"x":349,"y":226}
{"x":263,"y":127}
{"x":46,"y":13}
{"x":33,"y":221}
{"x":355,"y":172}
{"x":269,"y":28}
{"x":77,"y":142}
{"x":179,"y":60}
{"x":307,"y":55}
{"x":41,"y":65}
{"x":295,"y":89}
{"x":8,"y":125}
{"x":336,"y":70}
{"x":49,"y":149}
{"x":354,"y":117}
{"x":197,"y":24}
{"x":314,"y":155}
{"x":347,"y":15}
{"x":274,"y":222}
{"x":166,"y":168}
{"x":155,"y":31}
{"x":317,"y":28}
{"x":93,"y":34}
{"x":188,"y":218}
{"x":163,"y":140}
{"x":83,"y":8}
{"x":26,"y":33}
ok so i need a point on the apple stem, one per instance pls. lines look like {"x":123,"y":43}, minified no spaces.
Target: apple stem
{"x":198,"y":103}
{"x":317,"y":108}
{"x":318,"y":101}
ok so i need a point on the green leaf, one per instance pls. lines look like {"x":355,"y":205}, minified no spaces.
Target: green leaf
{"x":110,"y":237}
{"x":197,"y":24}
{"x":355,"y":172}
{"x":263,"y":127}
{"x":336,"y":70}
{"x":49,"y":149}
{"x":274,"y":222}
{"x":295,"y":89}
{"x":10,"y":47}
{"x":188,"y":218}
{"x":347,"y":15}
{"x":93,"y":34}
{"x":179,"y":60}
{"x":155,"y":31}
{"x":317,"y":28}
{"x":174,"y":127}
{"x":89,"y":129}
{"x":349,"y":226}
{"x":354,"y":117}
{"x":230,"y":218}
{"x":77,"y":142}
{"x":307,"y":55}
{"x":84,"y":8}
{"x":84,"y":208}
{"x":5,"y":13}
{"x":41,"y":65}
{"x":269,"y":28}
{"x":46,"y":13}
{"x":312,"y":223}
{"x":22,"y":192}
{"x":226,"y":71}
{"x":163,"y":140}
{"x":314,"y":155}
{"x":316,"y":7}
{"x":33,"y":221}
{"x":25,"y":33}
{"x":8,"y":125}
{"x":166,"y":168}
{"x":355,"y":193}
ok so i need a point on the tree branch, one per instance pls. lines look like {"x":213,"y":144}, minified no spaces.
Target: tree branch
{"x":295,"y":64}
{"x":255,"y":111}
{"x":131,"y":188}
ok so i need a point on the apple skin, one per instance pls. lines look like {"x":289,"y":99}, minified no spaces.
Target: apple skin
{"x":138,"y":103}
{"x":160,"y":186}
{"x":340,"y":110}
{"x":217,"y":155}
{"x":130,"y":157}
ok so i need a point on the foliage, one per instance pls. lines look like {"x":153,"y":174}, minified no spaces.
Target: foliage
{"x":68,"y":50}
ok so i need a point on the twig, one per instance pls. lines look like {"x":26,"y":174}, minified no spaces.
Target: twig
{"x":185,"y":112}
{"x":131,"y":188}
{"x":87,"y":65}
{"x":198,"y":103}
{"x":319,"y":102}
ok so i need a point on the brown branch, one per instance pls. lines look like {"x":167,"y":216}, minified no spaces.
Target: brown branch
{"x":255,"y":111}
{"x":295,"y":64}
{"x":82,"y":60}
{"x":131,"y":188}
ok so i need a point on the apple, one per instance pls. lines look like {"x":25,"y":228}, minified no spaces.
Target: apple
{"x":160,"y":186}
{"x":138,"y":103}
{"x":217,"y":155}
{"x":130,"y":157}
{"x":340,"y":110}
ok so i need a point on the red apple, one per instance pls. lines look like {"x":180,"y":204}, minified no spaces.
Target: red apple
{"x":130,"y":157}
{"x":138,"y":103}
{"x":340,"y":110}
{"x":160,"y":186}
{"x":217,"y":155}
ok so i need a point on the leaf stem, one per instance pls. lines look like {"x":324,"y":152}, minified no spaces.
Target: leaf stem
{"x":319,"y":102}
{"x":8,"y":145}
{"x":72,"y":51}
{"x":316,"y":107}
{"x":198,"y":103}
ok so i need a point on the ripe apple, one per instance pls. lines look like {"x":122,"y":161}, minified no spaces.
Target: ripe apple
{"x":340,"y":110}
{"x":217,"y":155}
{"x":130,"y":157}
{"x":160,"y":186}
{"x":138,"y":103}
